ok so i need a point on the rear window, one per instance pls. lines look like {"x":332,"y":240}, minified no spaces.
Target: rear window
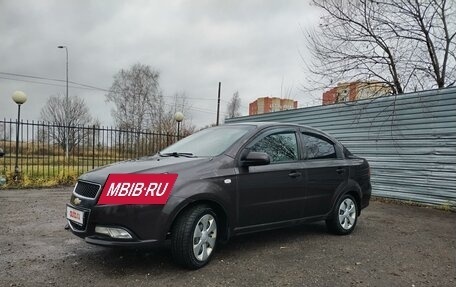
{"x":317,"y":147}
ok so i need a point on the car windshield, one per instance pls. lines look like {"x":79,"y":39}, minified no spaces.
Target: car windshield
{"x":208,"y":142}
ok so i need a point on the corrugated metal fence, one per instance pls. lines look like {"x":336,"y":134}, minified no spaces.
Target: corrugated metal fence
{"x":409,"y":140}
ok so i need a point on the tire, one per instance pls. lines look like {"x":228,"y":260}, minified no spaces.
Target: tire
{"x":194,"y":237}
{"x":343,"y":218}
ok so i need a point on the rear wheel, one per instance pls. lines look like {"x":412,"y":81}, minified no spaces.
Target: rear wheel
{"x":343,"y":219}
{"x":194,"y":237}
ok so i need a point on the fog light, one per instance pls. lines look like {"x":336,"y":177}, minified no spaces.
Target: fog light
{"x":118,"y":233}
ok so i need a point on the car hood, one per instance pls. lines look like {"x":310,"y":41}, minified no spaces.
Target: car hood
{"x":143,"y":165}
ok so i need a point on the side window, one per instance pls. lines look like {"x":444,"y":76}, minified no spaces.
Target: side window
{"x":315,"y":147}
{"x":279,"y":146}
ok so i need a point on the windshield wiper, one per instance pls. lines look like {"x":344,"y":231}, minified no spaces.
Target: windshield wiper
{"x":176,"y":154}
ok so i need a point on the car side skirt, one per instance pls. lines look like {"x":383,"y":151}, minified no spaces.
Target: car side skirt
{"x":277,"y":225}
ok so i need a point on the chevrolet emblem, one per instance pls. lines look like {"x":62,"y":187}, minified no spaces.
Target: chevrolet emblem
{"x":76,"y":201}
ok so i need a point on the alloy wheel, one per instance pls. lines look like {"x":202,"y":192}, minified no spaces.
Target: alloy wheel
{"x":204,"y":237}
{"x":347,"y":213}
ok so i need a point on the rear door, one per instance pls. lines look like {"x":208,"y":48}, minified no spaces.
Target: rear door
{"x":325,"y":172}
{"x":274,"y":192}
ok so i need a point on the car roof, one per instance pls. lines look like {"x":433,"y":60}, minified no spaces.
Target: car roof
{"x":262,"y":125}
{"x":273,"y":124}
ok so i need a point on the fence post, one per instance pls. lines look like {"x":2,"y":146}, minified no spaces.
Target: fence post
{"x":120,"y":144}
{"x":93,"y":147}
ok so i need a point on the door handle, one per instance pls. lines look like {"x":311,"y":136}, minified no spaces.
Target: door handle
{"x":294,"y":174}
{"x":340,"y":170}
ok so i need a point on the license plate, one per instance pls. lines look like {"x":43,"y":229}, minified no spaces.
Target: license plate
{"x":75,"y":215}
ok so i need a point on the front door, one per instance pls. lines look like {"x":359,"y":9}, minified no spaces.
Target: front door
{"x":274,"y":192}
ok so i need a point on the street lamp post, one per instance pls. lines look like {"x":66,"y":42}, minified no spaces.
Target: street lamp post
{"x":66,"y":128}
{"x":178,"y":117}
{"x":19,"y":98}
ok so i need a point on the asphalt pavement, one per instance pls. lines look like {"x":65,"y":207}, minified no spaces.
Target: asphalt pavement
{"x":393,"y":245}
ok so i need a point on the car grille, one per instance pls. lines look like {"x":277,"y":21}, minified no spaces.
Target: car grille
{"x":86,"y":189}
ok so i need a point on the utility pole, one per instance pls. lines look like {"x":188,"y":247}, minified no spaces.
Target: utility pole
{"x":67,"y":126}
{"x":218,"y":103}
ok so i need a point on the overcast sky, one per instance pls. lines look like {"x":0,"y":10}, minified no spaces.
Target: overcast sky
{"x":250,"y":46}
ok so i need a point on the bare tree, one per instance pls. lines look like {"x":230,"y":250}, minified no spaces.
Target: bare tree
{"x":406,"y":44}
{"x":66,"y":119}
{"x":234,"y":105}
{"x":4,"y":132}
{"x":137,"y":98}
{"x":167,"y":123}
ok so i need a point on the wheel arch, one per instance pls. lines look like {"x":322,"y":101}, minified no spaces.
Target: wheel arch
{"x":357,"y":197}
{"x":218,"y":208}
{"x":352,"y":188}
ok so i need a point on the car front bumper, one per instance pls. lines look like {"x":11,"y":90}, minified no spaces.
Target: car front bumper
{"x":147,"y":224}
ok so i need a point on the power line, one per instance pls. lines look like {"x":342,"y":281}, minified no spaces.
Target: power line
{"x":34,"y":77}
{"x":50,"y":79}
{"x":85,"y":87}
{"x":82,"y":85}
{"x":43,"y":83}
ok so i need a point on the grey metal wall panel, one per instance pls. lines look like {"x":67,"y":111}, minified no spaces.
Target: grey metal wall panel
{"x":409,"y":140}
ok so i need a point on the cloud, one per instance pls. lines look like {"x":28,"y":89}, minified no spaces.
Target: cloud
{"x":250,"y":46}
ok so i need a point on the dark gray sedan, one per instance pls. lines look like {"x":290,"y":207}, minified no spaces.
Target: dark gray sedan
{"x":232,"y":179}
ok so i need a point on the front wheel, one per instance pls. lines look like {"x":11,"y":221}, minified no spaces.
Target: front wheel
{"x":194,"y":237}
{"x":342,"y":220}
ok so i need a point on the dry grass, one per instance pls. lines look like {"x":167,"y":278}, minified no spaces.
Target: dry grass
{"x":447,"y":206}
{"x":64,"y":177}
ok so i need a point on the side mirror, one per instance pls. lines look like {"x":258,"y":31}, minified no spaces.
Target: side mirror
{"x":255,"y":158}
{"x":2,"y":153}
